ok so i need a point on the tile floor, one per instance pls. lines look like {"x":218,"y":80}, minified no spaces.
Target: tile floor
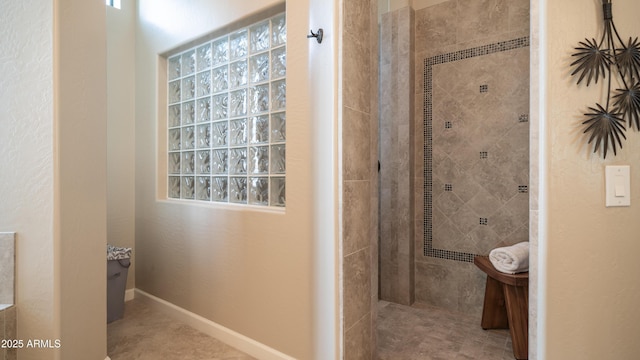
{"x":145,"y":333}
{"x":404,"y":333}
{"x":429,"y":333}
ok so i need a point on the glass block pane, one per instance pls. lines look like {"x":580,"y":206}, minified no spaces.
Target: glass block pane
{"x":220,"y":106}
{"x":277,"y":190}
{"x":219,"y":134}
{"x":204,"y":57}
{"x":219,"y":161}
{"x":203,"y":188}
{"x":174,"y":187}
{"x":238,"y":103}
{"x":278,"y":159}
{"x":188,"y":88}
{"x":174,"y":91}
{"x":174,"y":163}
{"x":174,"y":68}
{"x":278,"y":95}
{"x":188,"y":162}
{"x":174,"y":115}
{"x":204,"y":83}
{"x":188,"y":63}
{"x":187,"y":190}
{"x":204,"y":136}
{"x":174,"y":139}
{"x":259,"y":129}
{"x":188,"y":138}
{"x":259,"y":68}
{"x":204,"y":110}
{"x":238,"y":161}
{"x":259,"y":191}
{"x":219,"y":189}
{"x":220,"y":79}
{"x":188,"y":113}
{"x":259,"y":156}
{"x":238,"y":190}
{"x":278,"y":63}
{"x":260,"y":37}
{"x":238,"y":74}
{"x":279,"y":28}
{"x":238,"y":45}
{"x":259,"y":99}
{"x":238,"y":132}
{"x":278,"y":127}
{"x":203,"y":162}
{"x":220,"y":51}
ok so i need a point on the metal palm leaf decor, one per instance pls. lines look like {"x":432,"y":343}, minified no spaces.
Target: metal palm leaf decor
{"x":606,"y":125}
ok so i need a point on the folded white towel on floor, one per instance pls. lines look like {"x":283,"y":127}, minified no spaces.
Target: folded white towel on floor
{"x":511,"y":259}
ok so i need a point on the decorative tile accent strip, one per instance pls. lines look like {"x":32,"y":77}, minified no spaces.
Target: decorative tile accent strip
{"x":428,"y":249}
{"x":484,"y":88}
{"x":484,"y":221}
{"x":448,"y":125}
{"x":523,"y":118}
{"x":523,"y":189}
{"x":484,"y":155}
{"x":448,"y":187}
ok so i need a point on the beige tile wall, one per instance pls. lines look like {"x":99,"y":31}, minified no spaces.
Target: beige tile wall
{"x":8,"y":332}
{"x":359,"y":176}
{"x":447,"y":27}
{"x":7,"y":267}
{"x":396,"y":156}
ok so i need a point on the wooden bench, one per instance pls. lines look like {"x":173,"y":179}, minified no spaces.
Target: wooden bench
{"x":506,"y":305}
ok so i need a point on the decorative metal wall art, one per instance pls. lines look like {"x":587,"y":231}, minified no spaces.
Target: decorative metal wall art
{"x":609,"y":56}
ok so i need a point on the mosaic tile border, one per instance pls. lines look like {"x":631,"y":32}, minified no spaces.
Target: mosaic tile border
{"x":428,"y":249}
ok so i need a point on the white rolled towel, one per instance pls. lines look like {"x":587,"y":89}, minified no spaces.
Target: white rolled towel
{"x":511,"y":259}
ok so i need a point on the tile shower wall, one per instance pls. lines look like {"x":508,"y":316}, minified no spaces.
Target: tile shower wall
{"x":7,"y":279}
{"x":8,"y":331}
{"x":359,"y":173}
{"x":473,"y":193}
{"x":396,"y":155}
{"x":7,"y":268}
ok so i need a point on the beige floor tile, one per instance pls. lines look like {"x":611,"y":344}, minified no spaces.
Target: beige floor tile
{"x":145,"y":333}
{"x":429,"y":333}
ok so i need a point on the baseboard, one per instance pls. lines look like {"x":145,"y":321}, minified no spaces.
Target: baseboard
{"x":129,"y":294}
{"x":227,"y":336}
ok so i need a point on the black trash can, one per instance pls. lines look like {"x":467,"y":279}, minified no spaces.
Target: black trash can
{"x":118,"y":262}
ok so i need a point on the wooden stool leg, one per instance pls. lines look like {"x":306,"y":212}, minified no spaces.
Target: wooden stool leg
{"x":517,"y":301}
{"x":494,"y":314}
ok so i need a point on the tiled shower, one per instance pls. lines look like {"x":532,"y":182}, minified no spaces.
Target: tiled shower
{"x":454,"y":146}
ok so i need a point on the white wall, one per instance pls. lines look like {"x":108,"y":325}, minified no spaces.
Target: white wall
{"x":256,"y":272}
{"x":592,"y":268}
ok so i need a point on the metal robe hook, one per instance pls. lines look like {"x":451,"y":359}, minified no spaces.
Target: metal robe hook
{"x":317,"y":35}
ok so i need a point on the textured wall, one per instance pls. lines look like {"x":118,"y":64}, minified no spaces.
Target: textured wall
{"x":446,"y":28}
{"x":359,"y":173}
{"x":590,"y":302}
{"x":50,"y":199}
{"x":396,"y":156}
{"x":26,"y":145}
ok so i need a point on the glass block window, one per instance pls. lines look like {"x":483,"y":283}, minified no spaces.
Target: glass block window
{"x":226,"y":118}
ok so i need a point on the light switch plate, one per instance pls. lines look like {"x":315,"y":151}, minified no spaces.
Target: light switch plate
{"x":618,"y":185}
